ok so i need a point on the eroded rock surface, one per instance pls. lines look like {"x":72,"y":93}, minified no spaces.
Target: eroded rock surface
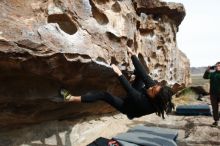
{"x":48,"y":44}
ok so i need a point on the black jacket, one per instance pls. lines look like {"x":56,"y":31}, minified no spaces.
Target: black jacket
{"x":137,"y":102}
{"x":214,"y":81}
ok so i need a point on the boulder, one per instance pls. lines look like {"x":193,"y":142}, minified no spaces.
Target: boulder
{"x":49,"y":44}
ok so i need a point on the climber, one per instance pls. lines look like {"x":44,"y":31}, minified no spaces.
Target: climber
{"x":214,"y":77}
{"x":145,"y":96}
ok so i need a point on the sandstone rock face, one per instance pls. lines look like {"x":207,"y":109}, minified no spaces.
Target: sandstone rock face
{"x":48,"y":44}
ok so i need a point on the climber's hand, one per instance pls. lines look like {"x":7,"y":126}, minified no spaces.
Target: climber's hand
{"x":130,"y":52}
{"x":116,"y":70}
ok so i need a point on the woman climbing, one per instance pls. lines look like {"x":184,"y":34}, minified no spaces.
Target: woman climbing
{"x":145,"y":96}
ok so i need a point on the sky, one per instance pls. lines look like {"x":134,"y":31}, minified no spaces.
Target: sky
{"x":199,"y":33}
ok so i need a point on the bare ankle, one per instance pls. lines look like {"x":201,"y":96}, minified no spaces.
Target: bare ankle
{"x":73,"y":99}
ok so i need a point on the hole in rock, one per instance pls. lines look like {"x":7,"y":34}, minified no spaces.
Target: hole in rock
{"x":114,"y":61}
{"x":130,"y":43}
{"x":100,"y":17}
{"x":154,"y":55}
{"x":138,"y":24}
{"x":64,"y":22}
{"x":116,"y":7}
{"x":157,"y":65}
{"x":156,"y":17}
{"x":135,"y":42}
{"x":113,"y":37}
{"x":101,"y":60}
{"x":145,"y":31}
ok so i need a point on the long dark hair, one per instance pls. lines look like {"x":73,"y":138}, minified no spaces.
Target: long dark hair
{"x":163,"y":101}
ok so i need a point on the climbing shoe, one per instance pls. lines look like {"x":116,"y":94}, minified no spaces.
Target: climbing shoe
{"x":65,"y":94}
{"x":215,"y":124}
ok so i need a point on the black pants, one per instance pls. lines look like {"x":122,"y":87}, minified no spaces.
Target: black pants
{"x":214,"y":101}
{"x":114,"y":101}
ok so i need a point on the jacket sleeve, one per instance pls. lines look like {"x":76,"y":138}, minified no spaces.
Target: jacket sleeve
{"x":207,"y":75}
{"x":141,"y":72}
{"x":127,"y":86}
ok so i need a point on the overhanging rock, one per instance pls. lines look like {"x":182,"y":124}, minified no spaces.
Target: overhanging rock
{"x":45,"y":45}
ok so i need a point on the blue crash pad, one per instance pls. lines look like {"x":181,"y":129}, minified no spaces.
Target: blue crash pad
{"x":148,"y":136}
{"x":193,"y":110}
{"x":163,"y":132}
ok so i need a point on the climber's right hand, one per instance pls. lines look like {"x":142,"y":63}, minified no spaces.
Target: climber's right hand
{"x":130,"y":51}
{"x":116,"y":70}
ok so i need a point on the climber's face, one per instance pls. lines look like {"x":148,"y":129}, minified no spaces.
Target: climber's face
{"x":218,"y":66}
{"x":153,"y":91}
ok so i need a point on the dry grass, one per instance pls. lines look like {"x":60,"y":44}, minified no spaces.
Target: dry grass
{"x":189,"y":97}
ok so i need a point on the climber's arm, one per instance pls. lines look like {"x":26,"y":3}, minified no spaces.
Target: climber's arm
{"x":124,"y":82}
{"x":140,"y":70}
{"x":207,"y":73}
